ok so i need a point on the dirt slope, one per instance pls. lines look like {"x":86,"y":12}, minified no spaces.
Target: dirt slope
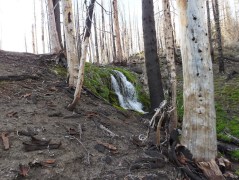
{"x":37,"y":104}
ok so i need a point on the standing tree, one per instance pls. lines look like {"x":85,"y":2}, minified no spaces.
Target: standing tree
{"x":219,"y":35}
{"x":54,"y":40}
{"x":199,"y":120}
{"x":71,"y":50}
{"x":119,"y":55}
{"x":57,"y":14}
{"x":151,"y":57}
{"x":81,"y":72}
{"x":209,"y":31}
{"x":42,"y":27}
{"x":169,"y":41}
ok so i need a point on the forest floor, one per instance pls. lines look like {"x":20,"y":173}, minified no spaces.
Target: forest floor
{"x":33,"y":101}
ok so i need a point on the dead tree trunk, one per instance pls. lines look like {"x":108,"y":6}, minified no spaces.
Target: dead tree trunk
{"x":209,"y":31}
{"x":151,"y":57}
{"x":169,"y":43}
{"x":219,"y":36}
{"x":119,"y":56}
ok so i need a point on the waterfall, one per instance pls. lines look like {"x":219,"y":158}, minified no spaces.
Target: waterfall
{"x":126,"y":92}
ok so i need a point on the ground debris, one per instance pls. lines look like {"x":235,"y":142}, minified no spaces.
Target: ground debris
{"x":12,"y":114}
{"x":108,"y":146}
{"x":5,"y":140}
{"x":23,"y":170}
{"x":37,"y":144}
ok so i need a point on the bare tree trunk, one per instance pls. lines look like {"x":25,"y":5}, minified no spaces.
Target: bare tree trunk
{"x":151,"y":57}
{"x":33,"y":40}
{"x":71,"y":51}
{"x":119,"y":56}
{"x":25,"y":40}
{"x":199,"y":120}
{"x":57,"y":14}
{"x":209,"y":31}
{"x":219,"y":36}
{"x":81,"y":72}
{"x":54,"y":40}
{"x":169,"y":41}
{"x":112,"y":32}
{"x":35,"y":27}
{"x":103,"y":34}
{"x":42,"y":27}
{"x":96,"y":43}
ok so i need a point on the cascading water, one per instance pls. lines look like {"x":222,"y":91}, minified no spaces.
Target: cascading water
{"x":126,"y":92}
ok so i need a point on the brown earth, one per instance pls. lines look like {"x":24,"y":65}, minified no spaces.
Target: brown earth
{"x":37,"y":105}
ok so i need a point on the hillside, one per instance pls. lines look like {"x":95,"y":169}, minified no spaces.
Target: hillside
{"x":98,"y":140}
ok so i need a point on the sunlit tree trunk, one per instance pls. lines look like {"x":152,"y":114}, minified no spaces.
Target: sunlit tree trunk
{"x":54,"y":40}
{"x":81,"y":72}
{"x":96,"y":42}
{"x":42,"y":27}
{"x":209,"y":31}
{"x":169,"y":42}
{"x":112,"y":34}
{"x":33,"y":40}
{"x":71,"y":51}
{"x":199,"y":120}
{"x":35,"y":27}
{"x":151,"y":57}
{"x":119,"y":55}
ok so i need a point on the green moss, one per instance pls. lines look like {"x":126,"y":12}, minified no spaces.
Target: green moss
{"x":180,"y":108}
{"x":223,"y":137}
{"x":98,"y":80}
{"x":235,"y":155}
{"x":237,"y":172}
{"x":59,"y":70}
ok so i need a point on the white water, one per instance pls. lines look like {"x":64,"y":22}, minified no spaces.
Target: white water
{"x":126,"y":92}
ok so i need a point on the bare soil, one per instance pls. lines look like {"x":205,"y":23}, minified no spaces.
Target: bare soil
{"x":38,"y":106}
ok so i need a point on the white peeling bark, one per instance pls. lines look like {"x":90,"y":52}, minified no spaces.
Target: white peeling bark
{"x":199,"y":121}
{"x":54,"y":40}
{"x":71,"y":50}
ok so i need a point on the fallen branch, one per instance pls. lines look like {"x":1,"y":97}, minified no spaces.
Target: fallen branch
{"x":143,"y":137}
{"x":88,"y":154}
{"x":108,"y":131}
{"x":158,"y":130}
{"x":233,"y":139}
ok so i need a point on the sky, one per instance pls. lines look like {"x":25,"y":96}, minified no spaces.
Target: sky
{"x":17,"y":17}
